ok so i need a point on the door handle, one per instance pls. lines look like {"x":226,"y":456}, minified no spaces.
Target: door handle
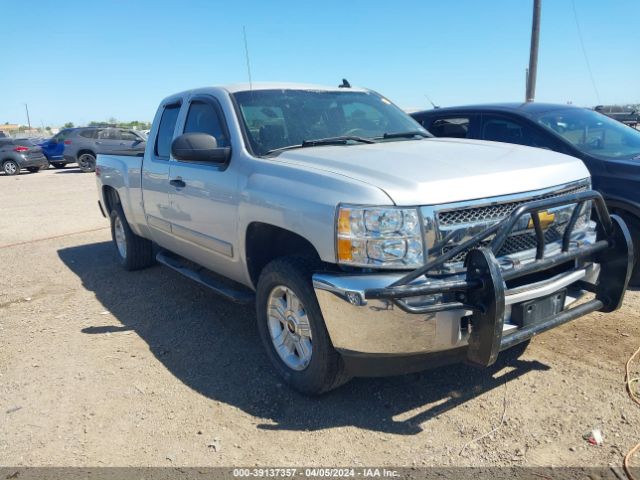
{"x":177,"y":182}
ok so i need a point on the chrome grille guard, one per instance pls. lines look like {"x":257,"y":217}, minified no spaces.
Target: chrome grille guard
{"x":483,"y":290}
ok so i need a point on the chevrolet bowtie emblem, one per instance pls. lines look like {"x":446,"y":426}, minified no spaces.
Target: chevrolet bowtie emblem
{"x":546,"y":219}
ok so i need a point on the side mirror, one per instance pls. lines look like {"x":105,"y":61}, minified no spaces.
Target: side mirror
{"x":199,"y":147}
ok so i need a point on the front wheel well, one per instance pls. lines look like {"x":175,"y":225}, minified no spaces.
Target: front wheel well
{"x":265,"y":242}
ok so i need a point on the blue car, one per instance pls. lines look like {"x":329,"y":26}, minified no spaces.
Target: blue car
{"x":609,"y":149}
{"x":53,"y":149}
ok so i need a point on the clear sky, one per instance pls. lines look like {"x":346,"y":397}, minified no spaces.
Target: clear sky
{"x":81,"y":60}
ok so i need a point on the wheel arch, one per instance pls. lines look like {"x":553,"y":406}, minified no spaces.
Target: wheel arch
{"x":623,"y":207}
{"x":85,"y":150}
{"x":111,"y":198}
{"x":265,"y":242}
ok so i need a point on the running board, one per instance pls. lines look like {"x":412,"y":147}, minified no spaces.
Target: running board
{"x":222,"y":286}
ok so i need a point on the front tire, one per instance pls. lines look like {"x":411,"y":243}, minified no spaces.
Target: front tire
{"x":34,"y":169}
{"x":87,"y":162}
{"x":58,"y":165}
{"x":634,"y":229}
{"x":10,"y":167}
{"x":134,"y":252}
{"x":292,"y":329}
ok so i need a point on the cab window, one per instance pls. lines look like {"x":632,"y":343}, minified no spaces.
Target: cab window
{"x":165,"y":131}
{"x":204,"y":117}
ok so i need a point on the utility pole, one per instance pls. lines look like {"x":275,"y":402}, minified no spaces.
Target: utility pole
{"x":533,"y":54}
{"x":28,"y":120}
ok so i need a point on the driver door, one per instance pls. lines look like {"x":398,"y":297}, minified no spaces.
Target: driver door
{"x":204,"y":196}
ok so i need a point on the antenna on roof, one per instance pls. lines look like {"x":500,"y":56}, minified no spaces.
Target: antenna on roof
{"x":432,"y":104}
{"x":345,"y":84}
{"x":246,"y":52}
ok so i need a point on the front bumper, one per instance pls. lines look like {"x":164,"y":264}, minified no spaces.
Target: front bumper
{"x":382,"y":314}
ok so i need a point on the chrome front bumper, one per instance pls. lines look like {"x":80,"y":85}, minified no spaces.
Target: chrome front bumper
{"x":421,"y":312}
{"x":377,"y":326}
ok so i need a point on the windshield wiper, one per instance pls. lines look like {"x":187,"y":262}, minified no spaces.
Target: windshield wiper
{"x":413,"y":133}
{"x":342,"y":140}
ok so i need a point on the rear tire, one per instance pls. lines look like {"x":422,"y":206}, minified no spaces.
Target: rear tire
{"x":58,"y":165}
{"x":134,"y":252}
{"x":292,"y":329}
{"x":87,"y":162}
{"x":10,"y":167}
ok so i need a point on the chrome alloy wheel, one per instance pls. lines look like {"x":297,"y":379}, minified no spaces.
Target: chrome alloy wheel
{"x":121,"y":239}
{"x":10,"y":167}
{"x":289,"y":328}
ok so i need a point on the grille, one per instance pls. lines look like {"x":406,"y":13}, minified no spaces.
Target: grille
{"x":513,"y":243}
{"x":493,"y":212}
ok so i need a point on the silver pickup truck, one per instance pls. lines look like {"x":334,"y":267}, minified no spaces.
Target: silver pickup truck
{"x":369,"y":247}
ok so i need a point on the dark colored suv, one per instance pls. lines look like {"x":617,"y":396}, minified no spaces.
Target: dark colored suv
{"x":19,"y":153}
{"x":609,"y":149}
{"x":81,"y":145}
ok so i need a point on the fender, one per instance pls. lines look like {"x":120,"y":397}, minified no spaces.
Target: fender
{"x":617,"y":203}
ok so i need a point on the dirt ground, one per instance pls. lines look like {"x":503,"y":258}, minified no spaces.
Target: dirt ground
{"x":103,"y":367}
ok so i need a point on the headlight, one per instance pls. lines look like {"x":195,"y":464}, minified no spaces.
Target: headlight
{"x":379,"y":237}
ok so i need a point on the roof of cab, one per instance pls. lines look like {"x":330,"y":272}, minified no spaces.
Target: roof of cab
{"x":244,"y":87}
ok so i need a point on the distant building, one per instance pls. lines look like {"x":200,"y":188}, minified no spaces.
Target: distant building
{"x":10,"y":129}
{"x":16,"y":131}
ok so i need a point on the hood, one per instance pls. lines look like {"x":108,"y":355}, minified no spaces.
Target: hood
{"x":443,"y":170}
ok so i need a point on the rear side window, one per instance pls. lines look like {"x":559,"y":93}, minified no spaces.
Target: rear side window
{"x":88,"y":133}
{"x":204,"y":117}
{"x":456,"y":127}
{"x":165,"y":130}
{"x":108,"y":134}
{"x":127,"y":135}
{"x":500,"y":129}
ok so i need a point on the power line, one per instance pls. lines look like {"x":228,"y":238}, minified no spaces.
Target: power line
{"x":584,"y":50}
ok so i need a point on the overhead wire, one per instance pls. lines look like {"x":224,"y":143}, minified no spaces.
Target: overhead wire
{"x":584,"y":51}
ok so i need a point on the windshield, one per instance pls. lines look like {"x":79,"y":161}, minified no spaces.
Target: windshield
{"x":276,"y":119}
{"x":593,"y":133}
